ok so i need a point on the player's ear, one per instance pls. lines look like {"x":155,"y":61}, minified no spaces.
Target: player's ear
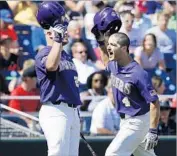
{"x":49,"y":33}
{"x":124,"y":48}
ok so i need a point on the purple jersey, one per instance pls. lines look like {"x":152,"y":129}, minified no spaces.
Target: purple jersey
{"x":132,"y":89}
{"x":60,"y":85}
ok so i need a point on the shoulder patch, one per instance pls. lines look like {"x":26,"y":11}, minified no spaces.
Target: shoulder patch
{"x":153,"y":92}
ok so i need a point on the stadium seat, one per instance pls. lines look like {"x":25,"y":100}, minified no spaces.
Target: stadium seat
{"x":24,"y":38}
{"x":167,"y":78}
{"x":29,"y":38}
{"x":170,"y":60}
{"x":9,"y":75}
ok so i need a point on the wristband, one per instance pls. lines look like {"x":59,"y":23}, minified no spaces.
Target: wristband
{"x":153,"y":130}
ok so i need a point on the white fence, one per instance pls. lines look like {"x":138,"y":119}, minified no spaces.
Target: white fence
{"x":161,"y":97}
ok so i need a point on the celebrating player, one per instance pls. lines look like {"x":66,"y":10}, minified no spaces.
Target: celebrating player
{"x":57,"y":79}
{"x":133,"y":93}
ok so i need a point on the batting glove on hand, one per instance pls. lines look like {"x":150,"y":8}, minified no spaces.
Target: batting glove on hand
{"x":59,"y":32}
{"x":151,"y":139}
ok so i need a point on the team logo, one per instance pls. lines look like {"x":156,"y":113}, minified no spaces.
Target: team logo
{"x":153,"y":93}
{"x":127,"y":75}
{"x":113,"y":14}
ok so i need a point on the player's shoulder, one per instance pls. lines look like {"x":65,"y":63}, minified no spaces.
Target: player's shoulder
{"x":138,"y":71}
{"x":111,"y":65}
{"x":43,"y":52}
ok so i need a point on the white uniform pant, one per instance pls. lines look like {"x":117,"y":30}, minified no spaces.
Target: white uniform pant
{"x":61,"y":127}
{"x":130,"y":138}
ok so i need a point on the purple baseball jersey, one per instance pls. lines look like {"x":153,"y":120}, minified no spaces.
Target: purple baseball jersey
{"x":132,"y":88}
{"x":59,"y":85}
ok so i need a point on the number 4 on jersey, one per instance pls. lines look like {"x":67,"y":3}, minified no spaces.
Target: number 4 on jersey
{"x":126,"y":102}
{"x":76,"y":81}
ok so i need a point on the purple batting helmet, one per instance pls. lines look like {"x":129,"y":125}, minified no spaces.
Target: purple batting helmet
{"x":106,"y":19}
{"x":49,"y":14}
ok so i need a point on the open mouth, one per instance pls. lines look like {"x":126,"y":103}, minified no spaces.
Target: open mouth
{"x":110,"y":53}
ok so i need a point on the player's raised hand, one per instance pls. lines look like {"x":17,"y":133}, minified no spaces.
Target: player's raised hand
{"x":151,"y":139}
{"x":59,"y":32}
{"x":98,"y":34}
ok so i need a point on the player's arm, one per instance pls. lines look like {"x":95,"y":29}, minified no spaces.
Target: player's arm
{"x":106,"y":22}
{"x":102,"y":44}
{"x":154,"y":114}
{"x":53,"y":59}
{"x":149,"y":94}
{"x":104,"y":54}
{"x":151,"y":138}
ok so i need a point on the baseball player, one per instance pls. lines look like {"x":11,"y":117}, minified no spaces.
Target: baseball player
{"x":133,"y":93}
{"x":58,"y":82}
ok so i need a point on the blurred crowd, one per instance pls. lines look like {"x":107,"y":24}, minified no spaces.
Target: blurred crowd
{"x":150,"y":25}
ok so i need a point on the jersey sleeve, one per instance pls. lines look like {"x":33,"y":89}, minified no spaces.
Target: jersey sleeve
{"x":40,"y":61}
{"x":40,"y":66}
{"x":145,"y":87}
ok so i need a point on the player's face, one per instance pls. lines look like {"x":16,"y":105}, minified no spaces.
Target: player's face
{"x":113,"y":49}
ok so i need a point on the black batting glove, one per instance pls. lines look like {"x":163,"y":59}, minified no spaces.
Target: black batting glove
{"x":59,"y":32}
